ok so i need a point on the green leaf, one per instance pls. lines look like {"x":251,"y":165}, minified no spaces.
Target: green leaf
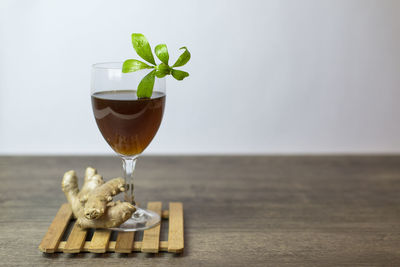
{"x":162,"y":70}
{"x":132,"y":65}
{"x":179,"y":74}
{"x":162,"y":53}
{"x":183,"y":59}
{"x":145,"y":87}
{"x":142,"y":47}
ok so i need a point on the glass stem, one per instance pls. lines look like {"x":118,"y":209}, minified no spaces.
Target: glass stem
{"x":129,"y":168}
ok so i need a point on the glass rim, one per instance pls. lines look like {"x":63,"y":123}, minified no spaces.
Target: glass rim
{"x":112,"y":65}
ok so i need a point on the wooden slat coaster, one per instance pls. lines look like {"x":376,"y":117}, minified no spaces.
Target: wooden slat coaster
{"x":125,"y":243}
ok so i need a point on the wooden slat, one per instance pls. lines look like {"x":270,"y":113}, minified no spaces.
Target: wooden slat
{"x":56,"y":230}
{"x":100,"y":240}
{"x":164,"y":246}
{"x":175,"y":232}
{"x":76,"y":240}
{"x":165,"y":214}
{"x":151,"y":237}
{"x":111,"y":246}
{"x":124,"y":243}
{"x":61,"y":246}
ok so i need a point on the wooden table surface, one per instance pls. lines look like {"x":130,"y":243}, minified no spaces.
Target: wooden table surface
{"x":238,"y":211}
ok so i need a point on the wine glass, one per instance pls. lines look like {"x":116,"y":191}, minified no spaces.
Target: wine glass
{"x":128,"y":124}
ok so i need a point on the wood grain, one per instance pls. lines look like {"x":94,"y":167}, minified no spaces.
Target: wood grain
{"x":56,"y":229}
{"x":239,"y":211}
{"x":100,"y":240}
{"x":137,"y":247}
{"x":175,"y":232}
{"x":151,"y":237}
{"x":124,"y":242}
{"x":76,"y":240}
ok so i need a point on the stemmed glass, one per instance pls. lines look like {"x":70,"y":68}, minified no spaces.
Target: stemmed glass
{"x":128,"y":124}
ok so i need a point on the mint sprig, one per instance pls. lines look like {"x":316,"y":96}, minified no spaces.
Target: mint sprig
{"x":143,"y":49}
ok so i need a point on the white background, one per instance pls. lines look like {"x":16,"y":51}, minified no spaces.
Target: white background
{"x":266,"y":76}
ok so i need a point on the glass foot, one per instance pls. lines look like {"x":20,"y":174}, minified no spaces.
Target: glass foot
{"x":141,"y":220}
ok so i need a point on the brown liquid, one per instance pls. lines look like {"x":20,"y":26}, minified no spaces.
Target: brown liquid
{"x":127,"y":123}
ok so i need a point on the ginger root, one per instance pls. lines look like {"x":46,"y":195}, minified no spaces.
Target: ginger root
{"x":92,"y":206}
